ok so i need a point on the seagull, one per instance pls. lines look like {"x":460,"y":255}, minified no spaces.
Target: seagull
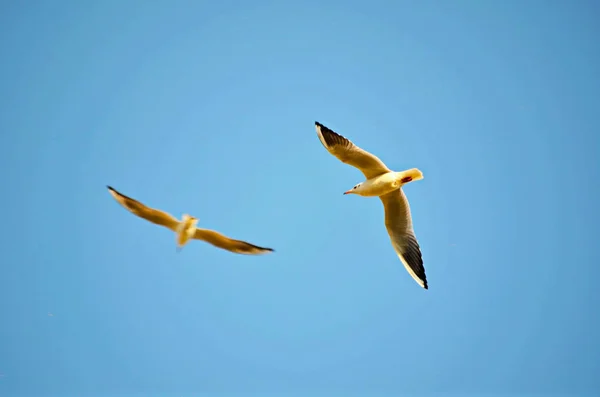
{"x":387,"y":185}
{"x":186,"y":228}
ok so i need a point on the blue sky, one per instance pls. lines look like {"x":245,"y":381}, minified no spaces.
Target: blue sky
{"x":209,"y":108}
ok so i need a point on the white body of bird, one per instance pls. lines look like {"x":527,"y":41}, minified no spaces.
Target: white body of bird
{"x":185,"y":230}
{"x":386,"y":183}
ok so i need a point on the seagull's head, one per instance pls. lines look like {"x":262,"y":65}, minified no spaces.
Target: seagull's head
{"x":355,"y":190}
{"x":191,"y":220}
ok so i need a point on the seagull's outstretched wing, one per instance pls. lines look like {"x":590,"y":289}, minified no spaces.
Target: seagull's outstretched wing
{"x":150,"y":214}
{"x":347,"y":152}
{"x":226,"y":243}
{"x":398,"y":223}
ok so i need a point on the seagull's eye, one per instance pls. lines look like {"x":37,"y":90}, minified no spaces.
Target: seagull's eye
{"x":354,"y":187}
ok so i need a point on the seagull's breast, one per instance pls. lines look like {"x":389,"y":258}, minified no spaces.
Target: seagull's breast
{"x":380,"y":185}
{"x":181,"y":226}
{"x":185,"y":232}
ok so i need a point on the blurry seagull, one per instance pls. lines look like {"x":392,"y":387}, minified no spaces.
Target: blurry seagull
{"x":387,"y":185}
{"x":186,"y":228}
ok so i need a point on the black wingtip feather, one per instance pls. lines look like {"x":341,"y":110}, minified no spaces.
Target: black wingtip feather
{"x":258,"y":247}
{"x":331,"y":137}
{"x":324,"y":128}
{"x":413,"y":257}
{"x":121,"y":194}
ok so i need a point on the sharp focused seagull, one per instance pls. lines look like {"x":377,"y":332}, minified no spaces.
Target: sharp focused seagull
{"x":387,"y":185}
{"x":186,"y":228}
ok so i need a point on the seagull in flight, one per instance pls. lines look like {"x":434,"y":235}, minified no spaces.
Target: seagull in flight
{"x":387,"y":185}
{"x":186,"y":229}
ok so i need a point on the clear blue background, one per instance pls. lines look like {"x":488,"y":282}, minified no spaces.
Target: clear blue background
{"x":209,"y":108}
